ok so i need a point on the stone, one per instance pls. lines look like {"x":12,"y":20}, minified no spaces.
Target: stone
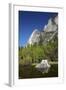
{"x":43,"y":66}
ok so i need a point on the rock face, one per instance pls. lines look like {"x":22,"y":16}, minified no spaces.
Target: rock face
{"x":34,"y":38}
{"x":50,"y":30}
{"x":43,"y":66}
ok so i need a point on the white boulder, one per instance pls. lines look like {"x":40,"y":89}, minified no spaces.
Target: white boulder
{"x":43,"y":66}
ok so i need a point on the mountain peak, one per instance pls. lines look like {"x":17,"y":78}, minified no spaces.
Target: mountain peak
{"x":46,"y":34}
{"x":34,"y":38}
{"x":52,"y":25}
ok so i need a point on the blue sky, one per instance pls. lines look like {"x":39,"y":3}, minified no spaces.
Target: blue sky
{"x":29,"y":21}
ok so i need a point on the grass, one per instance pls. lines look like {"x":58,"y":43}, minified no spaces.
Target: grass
{"x":54,"y":62}
{"x":51,"y":63}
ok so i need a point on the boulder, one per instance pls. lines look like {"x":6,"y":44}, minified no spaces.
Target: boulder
{"x":43,"y":66}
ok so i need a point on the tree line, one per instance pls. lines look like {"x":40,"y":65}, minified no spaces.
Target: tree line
{"x":35,"y":53}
